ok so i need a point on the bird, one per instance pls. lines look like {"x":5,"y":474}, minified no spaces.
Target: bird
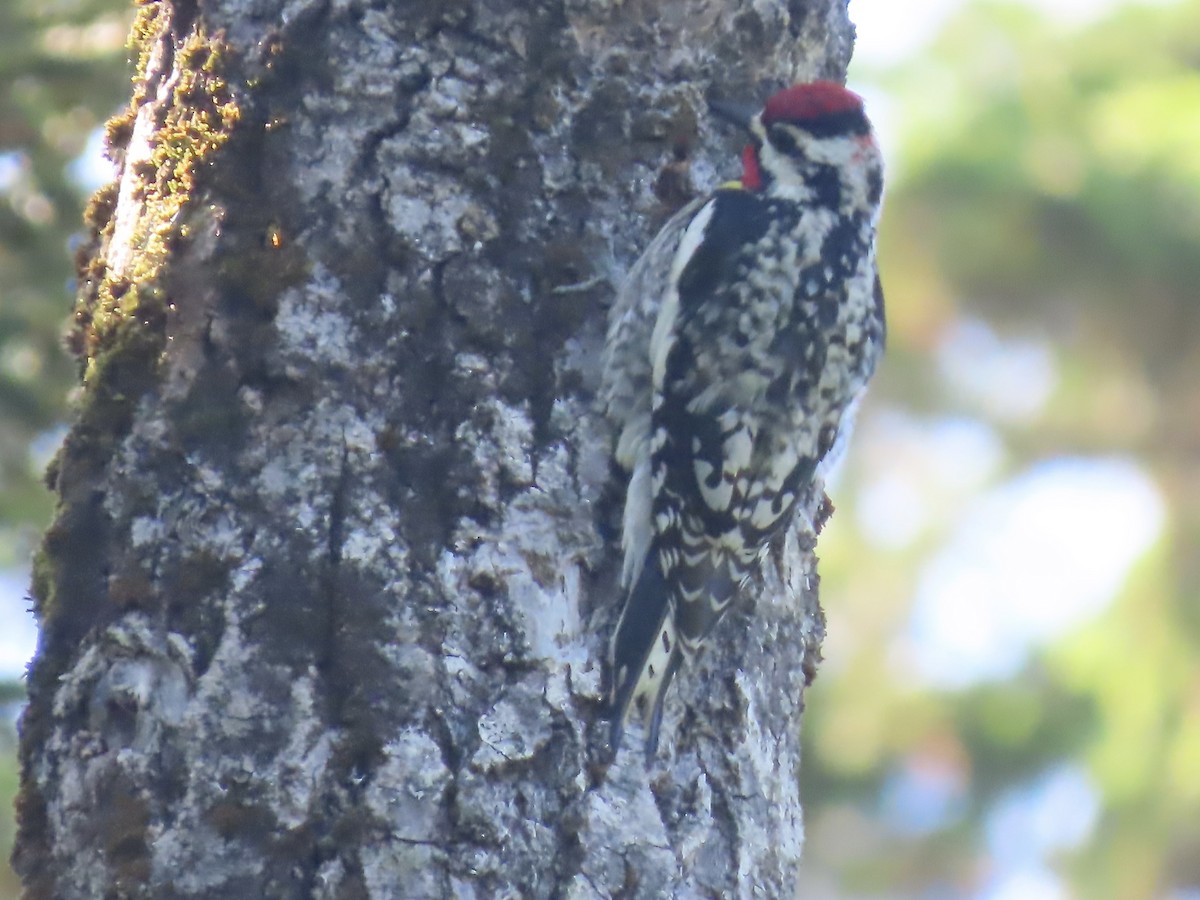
{"x":738,"y":349}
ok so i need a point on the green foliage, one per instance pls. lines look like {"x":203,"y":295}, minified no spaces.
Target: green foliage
{"x":62,"y":72}
{"x":1049,"y":184}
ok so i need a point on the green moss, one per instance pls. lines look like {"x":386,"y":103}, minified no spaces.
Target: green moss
{"x":115,"y":307}
{"x":99,"y":211}
{"x":171,"y":181}
{"x":147,"y":25}
{"x":42,"y":582}
{"x":120,"y":319}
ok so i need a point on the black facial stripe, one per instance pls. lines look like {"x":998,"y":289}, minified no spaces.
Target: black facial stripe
{"x":782,"y":140}
{"x":847,"y":121}
{"x":850,"y":121}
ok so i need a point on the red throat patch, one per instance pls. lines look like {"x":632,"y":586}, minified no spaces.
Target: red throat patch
{"x":810,"y":101}
{"x":751,"y":173}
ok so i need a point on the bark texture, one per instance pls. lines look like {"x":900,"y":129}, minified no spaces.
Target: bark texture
{"x":326,"y":599}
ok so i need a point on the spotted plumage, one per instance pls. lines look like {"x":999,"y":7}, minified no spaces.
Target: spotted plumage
{"x":738,"y":349}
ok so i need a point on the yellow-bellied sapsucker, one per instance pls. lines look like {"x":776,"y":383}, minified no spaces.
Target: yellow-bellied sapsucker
{"x":738,"y":348}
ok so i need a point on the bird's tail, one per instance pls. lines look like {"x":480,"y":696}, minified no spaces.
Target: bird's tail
{"x":645,"y":656}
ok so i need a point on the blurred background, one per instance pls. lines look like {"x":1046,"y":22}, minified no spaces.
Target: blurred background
{"x":1010,"y":702}
{"x":63,"y":72}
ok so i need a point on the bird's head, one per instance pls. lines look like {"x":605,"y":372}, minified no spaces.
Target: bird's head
{"x":807,"y":133}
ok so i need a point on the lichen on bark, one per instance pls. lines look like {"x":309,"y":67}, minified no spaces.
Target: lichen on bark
{"x":325,"y":601}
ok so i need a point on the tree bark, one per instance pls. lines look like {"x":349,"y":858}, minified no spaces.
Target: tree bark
{"x":326,"y":600}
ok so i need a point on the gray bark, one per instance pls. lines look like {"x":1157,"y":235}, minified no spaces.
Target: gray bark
{"x":326,"y":601}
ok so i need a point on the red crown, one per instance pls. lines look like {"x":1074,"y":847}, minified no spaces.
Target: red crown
{"x":804,"y":102}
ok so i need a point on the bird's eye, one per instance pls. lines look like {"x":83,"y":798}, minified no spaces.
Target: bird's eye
{"x":783,"y":139}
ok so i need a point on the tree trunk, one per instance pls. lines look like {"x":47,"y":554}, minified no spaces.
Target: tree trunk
{"x":326,"y":601}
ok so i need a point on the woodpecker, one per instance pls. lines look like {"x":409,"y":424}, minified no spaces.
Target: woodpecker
{"x":737,"y":351}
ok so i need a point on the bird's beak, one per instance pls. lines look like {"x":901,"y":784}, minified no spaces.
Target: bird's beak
{"x":739,"y":114}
